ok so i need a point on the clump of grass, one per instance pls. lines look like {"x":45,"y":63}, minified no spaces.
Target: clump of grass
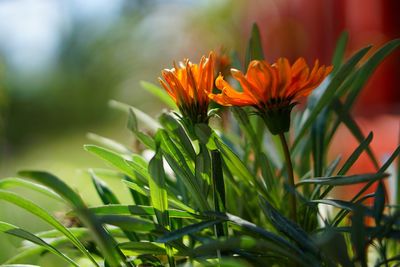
{"x":217,"y":193}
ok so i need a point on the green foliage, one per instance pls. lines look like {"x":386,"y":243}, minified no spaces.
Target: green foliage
{"x":216,"y":196}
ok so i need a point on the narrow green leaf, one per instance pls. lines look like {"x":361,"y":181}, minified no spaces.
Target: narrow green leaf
{"x":258,"y":231}
{"x":109,"y":143}
{"x":190,"y":229}
{"x":262,"y":248}
{"x":121,"y":209}
{"x":132,"y":125}
{"x":158,"y":193}
{"x":100,"y":235}
{"x":287,"y":227}
{"x":129,"y":223}
{"x":146,"y":119}
{"x":340,"y":49}
{"x":21,"y":233}
{"x":6,"y":183}
{"x":254,"y":48}
{"x":356,"y":154}
{"x":178,"y":133}
{"x":180,"y":166}
{"x":159,"y":93}
{"x":352,"y":125}
{"x":318,"y":130}
{"x":328,"y":94}
{"x":173,"y":201}
{"x":344,"y":180}
{"x":368,"y":68}
{"x":57,"y":240}
{"x":358,"y":236}
{"x":346,"y":166}
{"x":334,"y":246}
{"x":121,"y":162}
{"x":237,"y":166}
{"x":19,"y":265}
{"x":379,"y":202}
{"x":339,"y":217}
{"x":332,"y":166}
{"x":138,"y":248}
{"x":45,"y":216}
{"x":104,"y":192}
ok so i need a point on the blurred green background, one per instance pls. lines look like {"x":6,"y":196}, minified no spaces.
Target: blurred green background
{"x":62,"y":61}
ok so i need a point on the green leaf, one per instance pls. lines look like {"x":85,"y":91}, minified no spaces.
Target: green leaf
{"x":45,"y":216}
{"x":129,"y":223}
{"x":6,"y":183}
{"x":254,"y":48}
{"x":379,"y":202}
{"x":138,"y":248}
{"x":262,"y":248}
{"x":159,"y":93}
{"x":102,"y":189}
{"x":19,"y":265}
{"x":245,"y":125}
{"x":132,"y":125}
{"x":332,"y":166}
{"x":173,"y":201}
{"x":358,"y":235}
{"x":318,"y":130}
{"x":57,"y":240}
{"x":368,"y":68}
{"x":21,"y":233}
{"x":352,"y":125}
{"x":333,"y":245}
{"x":329,"y":93}
{"x":122,"y":163}
{"x":205,"y":135}
{"x":182,"y":170}
{"x":101,"y":236}
{"x":346,"y":166}
{"x":287,"y":227}
{"x":356,"y":154}
{"x":388,"y":162}
{"x":190,"y":229}
{"x":158,"y":192}
{"x":139,"y":210}
{"x":340,"y":49}
{"x":237,"y":167}
{"x":258,"y":231}
{"x":344,"y":180}
{"x":109,"y":143}
{"x":178,"y":134}
{"x":146,"y":119}
{"x":339,"y":217}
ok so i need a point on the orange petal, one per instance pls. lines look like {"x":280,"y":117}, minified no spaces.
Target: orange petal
{"x":248,"y":88}
{"x":284,"y":76}
{"x":260,"y":75}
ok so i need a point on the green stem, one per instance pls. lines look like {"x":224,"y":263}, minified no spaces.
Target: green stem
{"x":218,"y":192}
{"x":218,"y":188}
{"x":170,"y":255}
{"x":290,"y":178}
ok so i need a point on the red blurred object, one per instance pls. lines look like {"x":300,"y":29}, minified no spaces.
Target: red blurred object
{"x":310,"y":28}
{"x":386,"y":131}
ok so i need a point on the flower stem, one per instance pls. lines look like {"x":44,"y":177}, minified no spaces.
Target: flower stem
{"x":290,"y":178}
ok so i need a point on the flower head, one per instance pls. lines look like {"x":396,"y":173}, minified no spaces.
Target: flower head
{"x":188,"y":85}
{"x":272,"y":89}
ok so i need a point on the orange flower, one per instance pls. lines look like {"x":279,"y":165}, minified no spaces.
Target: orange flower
{"x":272,"y":89}
{"x":189,"y":85}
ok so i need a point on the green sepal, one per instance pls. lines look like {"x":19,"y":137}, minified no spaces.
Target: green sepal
{"x":277,"y":119}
